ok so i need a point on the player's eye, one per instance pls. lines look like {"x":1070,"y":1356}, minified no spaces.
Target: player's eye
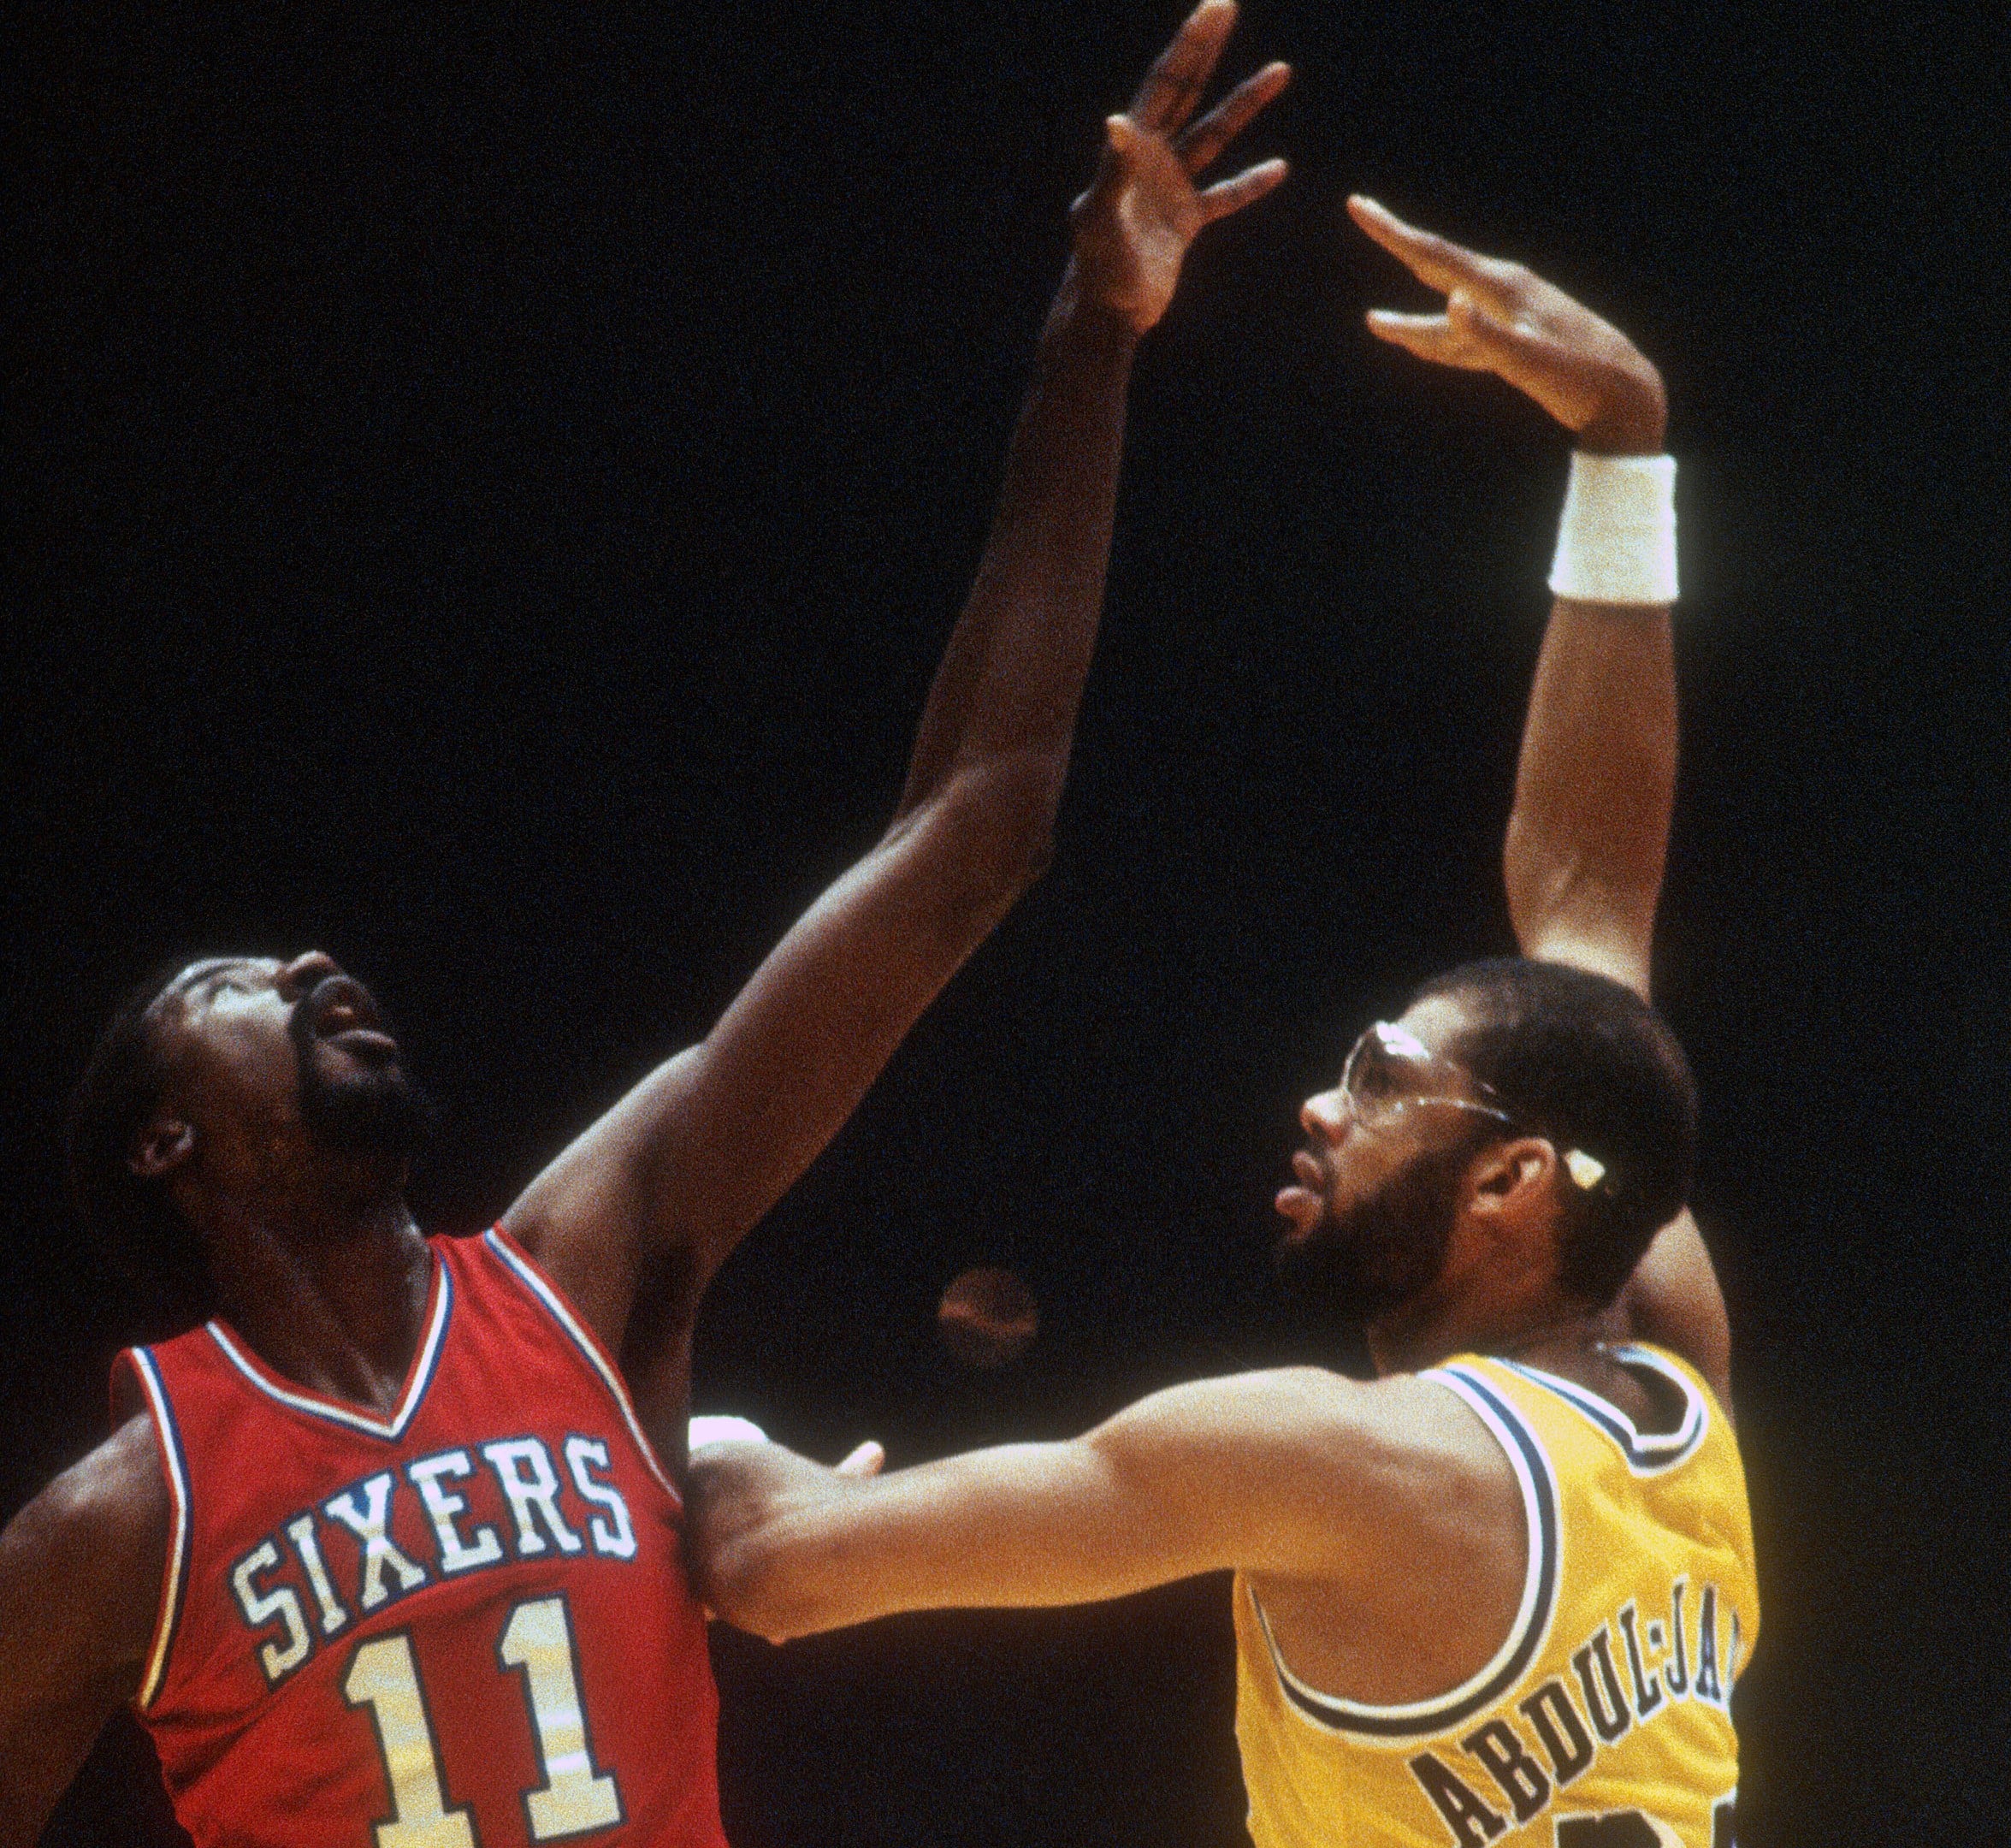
{"x":1374,"y":1082}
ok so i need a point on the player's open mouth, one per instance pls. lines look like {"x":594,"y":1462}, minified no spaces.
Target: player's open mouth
{"x":1305,"y":1203}
{"x":342,"y":1012}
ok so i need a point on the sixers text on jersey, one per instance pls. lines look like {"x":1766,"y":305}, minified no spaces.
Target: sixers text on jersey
{"x":461,"y":1626}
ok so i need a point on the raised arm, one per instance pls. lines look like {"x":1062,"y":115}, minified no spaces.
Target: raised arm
{"x":656,"y":1194}
{"x":1596,"y":783}
{"x":1295,"y":1474}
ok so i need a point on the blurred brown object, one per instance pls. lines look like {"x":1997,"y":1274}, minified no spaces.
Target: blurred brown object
{"x":987,"y":1317}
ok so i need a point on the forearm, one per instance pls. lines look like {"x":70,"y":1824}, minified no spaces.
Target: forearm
{"x":697,"y":1152}
{"x":656,"y":1194}
{"x":1016,"y":1526}
{"x":1597,"y":772}
{"x":1012,"y":677}
{"x":1595,"y":787}
{"x":1246,"y":1470}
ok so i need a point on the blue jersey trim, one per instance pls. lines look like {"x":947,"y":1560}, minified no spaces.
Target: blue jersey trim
{"x":1526,"y":1455}
{"x":1658,"y":1451}
{"x":333,"y":1411}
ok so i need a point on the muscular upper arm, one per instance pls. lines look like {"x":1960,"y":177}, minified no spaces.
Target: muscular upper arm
{"x":690,"y":1159}
{"x":80,"y":1570}
{"x":1611,"y":946}
{"x":1673,"y":1300}
{"x":1297,"y":1473}
{"x":1594,"y":794}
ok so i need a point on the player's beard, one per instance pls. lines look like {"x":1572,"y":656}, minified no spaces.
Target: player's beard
{"x":1381,"y":1249}
{"x":378,"y":1114}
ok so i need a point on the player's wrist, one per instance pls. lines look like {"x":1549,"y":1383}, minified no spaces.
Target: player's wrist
{"x":1615,"y":540}
{"x":1633,"y":421}
{"x":1082,"y":313}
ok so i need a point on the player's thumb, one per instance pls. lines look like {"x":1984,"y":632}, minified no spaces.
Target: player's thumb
{"x":866,"y":1460}
{"x":1495,"y":339}
{"x":1428,"y":336}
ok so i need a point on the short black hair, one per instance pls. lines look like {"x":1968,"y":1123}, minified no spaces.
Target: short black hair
{"x":137,"y":1233}
{"x":1585,"y":1061}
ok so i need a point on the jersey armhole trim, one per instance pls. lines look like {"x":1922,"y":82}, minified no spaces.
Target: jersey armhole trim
{"x":527,"y":1273}
{"x":1526,"y":1634}
{"x":175,"y":1579}
{"x":1658,"y":1451}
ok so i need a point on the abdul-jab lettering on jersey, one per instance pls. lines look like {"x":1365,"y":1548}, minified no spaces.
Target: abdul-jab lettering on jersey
{"x":1573,"y":1722}
{"x":465,"y":1624}
{"x":1602,"y":1719}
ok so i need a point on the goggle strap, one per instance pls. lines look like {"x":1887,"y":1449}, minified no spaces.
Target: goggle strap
{"x":1586,"y":1170}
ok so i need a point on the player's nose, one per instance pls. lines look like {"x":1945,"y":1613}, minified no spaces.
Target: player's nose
{"x":297,"y":977}
{"x":1324,"y":1115}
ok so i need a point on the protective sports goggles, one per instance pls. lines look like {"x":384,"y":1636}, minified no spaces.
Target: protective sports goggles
{"x":1389,"y":1071}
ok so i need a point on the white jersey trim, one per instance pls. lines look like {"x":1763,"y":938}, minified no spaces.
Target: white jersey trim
{"x":1658,"y":1451}
{"x":1408,"y":1721}
{"x":534,"y":1281}
{"x":337,"y":1413}
{"x":179,"y":1539}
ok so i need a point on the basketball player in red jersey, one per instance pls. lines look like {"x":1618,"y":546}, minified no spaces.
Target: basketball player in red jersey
{"x":387,"y":1552}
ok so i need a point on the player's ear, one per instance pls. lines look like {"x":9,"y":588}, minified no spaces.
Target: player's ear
{"x":1513,"y":1176}
{"x":164,"y":1144}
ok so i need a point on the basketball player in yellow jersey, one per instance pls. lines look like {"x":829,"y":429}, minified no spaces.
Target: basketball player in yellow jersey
{"x":1501,"y":1593}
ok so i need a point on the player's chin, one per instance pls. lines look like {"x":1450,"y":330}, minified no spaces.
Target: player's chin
{"x":1301,"y":1253}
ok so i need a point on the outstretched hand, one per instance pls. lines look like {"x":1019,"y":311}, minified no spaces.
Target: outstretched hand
{"x":1133,"y":226}
{"x":1503,"y":318}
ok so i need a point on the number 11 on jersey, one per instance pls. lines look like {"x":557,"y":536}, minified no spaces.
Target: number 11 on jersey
{"x":537,"y":1640}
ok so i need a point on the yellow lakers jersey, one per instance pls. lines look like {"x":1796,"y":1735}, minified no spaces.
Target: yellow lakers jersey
{"x":1603,"y":1721}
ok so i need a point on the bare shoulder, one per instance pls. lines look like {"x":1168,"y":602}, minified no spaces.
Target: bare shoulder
{"x":1340,"y":1469}
{"x":1417,"y":1447}
{"x":81,"y":1565}
{"x":1306,"y":1409}
{"x":80,"y":1570}
{"x":593,"y":1214}
{"x":1404,"y":1416}
{"x":1415,"y":1477}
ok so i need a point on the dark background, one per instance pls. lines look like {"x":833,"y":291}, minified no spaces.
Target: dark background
{"x":486,"y":496}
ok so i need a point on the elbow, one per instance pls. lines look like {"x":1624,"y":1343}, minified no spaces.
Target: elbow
{"x":1001,"y":817}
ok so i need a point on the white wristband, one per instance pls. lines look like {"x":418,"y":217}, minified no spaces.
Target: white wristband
{"x":1615,"y":542}
{"x":719,"y":1427}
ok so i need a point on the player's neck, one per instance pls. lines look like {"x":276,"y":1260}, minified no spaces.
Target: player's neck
{"x":1566,"y":1339}
{"x":331,"y":1293}
{"x":1560,"y":1336}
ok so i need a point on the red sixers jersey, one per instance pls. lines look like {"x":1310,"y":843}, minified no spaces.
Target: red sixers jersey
{"x":466,"y":1626}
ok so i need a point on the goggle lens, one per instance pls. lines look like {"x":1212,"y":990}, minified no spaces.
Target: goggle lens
{"x":1389,"y":1069}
